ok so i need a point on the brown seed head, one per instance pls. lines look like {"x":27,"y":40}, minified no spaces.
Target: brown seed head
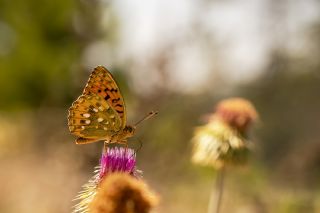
{"x":122,"y":193}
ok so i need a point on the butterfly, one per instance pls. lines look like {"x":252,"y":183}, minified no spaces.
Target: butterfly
{"x":99,"y":113}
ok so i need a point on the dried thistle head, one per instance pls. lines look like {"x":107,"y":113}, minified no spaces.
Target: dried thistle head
{"x":222,"y":141}
{"x":218,"y":145}
{"x":122,"y":193}
{"x":237,"y":113}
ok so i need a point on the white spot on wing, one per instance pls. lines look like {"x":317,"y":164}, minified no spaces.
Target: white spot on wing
{"x":82,"y":127}
{"x":88,"y":121}
{"x":95,"y":109}
{"x":86,"y":115}
{"x":100,"y":119}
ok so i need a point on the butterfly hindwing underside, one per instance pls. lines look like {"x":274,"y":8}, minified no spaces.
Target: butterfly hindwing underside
{"x":99,"y":113}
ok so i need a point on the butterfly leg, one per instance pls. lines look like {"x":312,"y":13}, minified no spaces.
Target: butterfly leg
{"x":105,"y":146}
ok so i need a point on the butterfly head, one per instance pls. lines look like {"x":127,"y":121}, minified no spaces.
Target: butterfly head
{"x":129,"y":130}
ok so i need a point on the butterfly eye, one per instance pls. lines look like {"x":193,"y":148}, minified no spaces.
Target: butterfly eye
{"x":131,"y":129}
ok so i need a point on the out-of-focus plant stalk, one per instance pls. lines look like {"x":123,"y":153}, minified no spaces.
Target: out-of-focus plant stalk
{"x":216,"y":193}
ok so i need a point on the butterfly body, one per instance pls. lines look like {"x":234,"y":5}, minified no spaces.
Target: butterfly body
{"x":99,"y":113}
{"x":122,"y":135}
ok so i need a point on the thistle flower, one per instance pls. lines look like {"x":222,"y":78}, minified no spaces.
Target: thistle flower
{"x":121,"y":193}
{"x":118,"y":160}
{"x":222,"y":141}
{"x":113,"y":160}
{"x":238,"y":113}
{"x":217,"y":144}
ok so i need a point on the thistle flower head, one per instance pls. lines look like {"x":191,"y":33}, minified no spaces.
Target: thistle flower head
{"x":236,"y":112}
{"x":118,"y":159}
{"x":113,"y":160}
{"x":218,"y":145}
{"x":222,"y":141}
{"x":121,"y":193}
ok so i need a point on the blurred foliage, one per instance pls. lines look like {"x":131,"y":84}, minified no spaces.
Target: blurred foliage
{"x":40,"y":45}
{"x":289,"y":106}
{"x":42,"y":50}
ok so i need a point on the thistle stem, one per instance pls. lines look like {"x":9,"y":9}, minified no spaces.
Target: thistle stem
{"x":216,"y":193}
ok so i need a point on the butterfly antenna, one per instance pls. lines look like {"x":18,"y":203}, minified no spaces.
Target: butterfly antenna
{"x":150,"y":114}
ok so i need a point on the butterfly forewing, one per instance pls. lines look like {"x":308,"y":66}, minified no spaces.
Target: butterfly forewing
{"x":92,"y":118}
{"x":102,"y":83}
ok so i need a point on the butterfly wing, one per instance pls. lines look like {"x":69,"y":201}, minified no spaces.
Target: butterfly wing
{"x":103,"y":84}
{"x":91,"y":118}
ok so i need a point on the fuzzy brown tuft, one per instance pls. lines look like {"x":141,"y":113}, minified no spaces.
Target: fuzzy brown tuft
{"x":122,"y":193}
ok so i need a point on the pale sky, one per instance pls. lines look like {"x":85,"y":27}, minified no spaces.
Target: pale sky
{"x":241,"y":29}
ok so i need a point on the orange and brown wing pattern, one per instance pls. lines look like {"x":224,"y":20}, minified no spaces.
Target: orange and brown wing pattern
{"x":92,"y":119}
{"x":103,"y":84}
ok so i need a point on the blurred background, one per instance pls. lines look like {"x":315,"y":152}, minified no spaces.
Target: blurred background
{"x":180,"y":58}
